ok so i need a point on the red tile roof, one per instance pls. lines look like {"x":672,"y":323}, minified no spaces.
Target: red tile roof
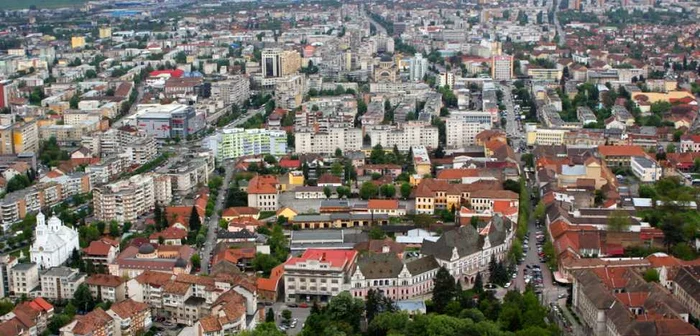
{"x":98,"y":248}
{"x":290,"y":164}
{"x":170,"y":233}
{"x":105,"y":280}
{"x":382,"y":204}
{"x":337,"y":258}
{"x":628,"y":150}
{"x":263,"y":184}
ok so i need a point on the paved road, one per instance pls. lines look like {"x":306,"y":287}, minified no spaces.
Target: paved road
{"x":512,"y":130}
{"x":297,"y":313}
{"x":214,"y":220}
{"x":380,"y":28}
{"x":560,"y":31}
{"x":132,"y":110}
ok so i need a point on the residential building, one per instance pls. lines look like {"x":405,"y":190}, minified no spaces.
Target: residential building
{"x":130,"y":317}
{"x":235,"y":142}
{"x":404,"y":137}
{"x":107,"y":287}
{"x":101,"y":252}
{"x":347,"y":139}
{"x":686,"y":289}
{"x":53,"y":243}
{"x":545,"y":136}
{"x":318,"y":275}
{"x":235,"y":90}
{"x":77,"y":42}
{"x":24,"y":279}
{"x":431,"y":195}
{"x":95,"y":323}
{"x":421,"y":160}
{"x":124,"y":200}
{"x":25,"y":137}
{"x":263,"y":192}
{"x":27,"y":318}
{"x":187,"y":173}
{"x":461,"y":133}
{"x":59,"y":283}
{"x":645,"y":169}
{"x":396,"y":279}
{"x":618,"y":301}
{"x":391,"y":208}
{"x":690,"y":143}
{"x":418,"y":67}
{"x":502,"y":67}
{"x":6,"y":263}
{"x":446,"y":79}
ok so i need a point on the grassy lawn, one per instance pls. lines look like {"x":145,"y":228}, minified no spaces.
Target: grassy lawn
{"x":17,"y":4}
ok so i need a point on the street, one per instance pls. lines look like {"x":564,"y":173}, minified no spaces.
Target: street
{"x":297,"y":313}
{"x":512,"y":123}
{"x":214,"y":220}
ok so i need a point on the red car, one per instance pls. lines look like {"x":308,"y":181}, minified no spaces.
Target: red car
{"x":303,"y":305}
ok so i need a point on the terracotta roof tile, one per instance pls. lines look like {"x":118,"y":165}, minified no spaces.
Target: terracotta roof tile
{"x":105,"y":280}
{"x":128,"y":308}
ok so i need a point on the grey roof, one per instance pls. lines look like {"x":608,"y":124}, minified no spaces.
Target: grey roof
{"x":380,"y":266}
{"x":688,"y":282}
{"x":411,"y":305}
{"x":335,"y":203}
{"x":60,"y":271}
{"x":243,"y":234}
{"x":594,"y":289}
{"x":466,"y":239}
{"x":24,"y":266}
{"x":644,"y":162}
{"x":317,"y":235}
{"x":573,"y":170}
{"x":422,"y":265}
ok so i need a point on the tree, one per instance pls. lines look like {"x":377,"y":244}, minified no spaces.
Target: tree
{"x":651,"y":275}
{"x":338,"y":153}
{"x":270,"y":316}
{"x":539,"y":210}
{"x":82,"y":299}
{"x":377,"y":303}
{"x":287,"y":315}
{"x":377,"y":155}
{"x":342,"y":192}
{"x":264,"y":263}
{"x":73,"y":102}
{"x":346,"y":308}
{"x":619,"y":221}
{"x":114,"y":230}
{"x":327,"y":191}
{"x":405,"y":190}
{"x":511,"y":185}
{"x":196,"y":260}
{"x":444,"y":289}
{"x":439,"y":152}
{"x":6,"y":306}
{"x":337,"y":169}
{"x":195,"y":222}
{"x":368,"y":190}
{"x":388,"y":190}
{"x":376,"y":233}
{"x":478,"y":283}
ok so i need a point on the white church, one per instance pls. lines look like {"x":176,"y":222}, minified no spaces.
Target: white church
{"x":54,"y":243}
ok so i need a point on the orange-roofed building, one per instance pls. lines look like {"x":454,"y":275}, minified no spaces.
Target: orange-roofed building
{"x":172,"y":235}
{"x":94,"y":323}
{"x":317,"y":266}
{"x":389,"y":207}
{"x":133,"y":318}
{"x":269,"y":288}
{"x":102,"y":251}
{"x":263,"y":192}
{"x":107,"y":287}
{"x":235,"y":212}
{"x":28,"y":316}
{"x":619,"y":156}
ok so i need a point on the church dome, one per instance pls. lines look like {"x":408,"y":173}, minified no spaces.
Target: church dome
{"x":146,"y":249}
{"x":181,"y":263}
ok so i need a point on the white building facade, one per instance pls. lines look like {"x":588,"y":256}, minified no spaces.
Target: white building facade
{"x":54,"y":242}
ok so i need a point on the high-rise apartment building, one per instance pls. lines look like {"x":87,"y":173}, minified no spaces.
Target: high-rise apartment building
{"x":347,"y":139}
{"x":461,"y":133}
{"x":502,"y":67}
{"x":125,"y":200}
{"x":407,"y":136}
{"x":232,"y":143}
{"x":231,"y":91}
{"x":446,"y":78}
{"x":279,"y":63}
{"x":8,"y":89}
{"x":418,"y":67}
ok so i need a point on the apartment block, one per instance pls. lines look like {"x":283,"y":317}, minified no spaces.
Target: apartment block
{"x":347,"y":139}
{"x":235,"y":142}
{"x":404,"y":137}
{"x":107,"y":287}
{"x":125,"y":200}
{"x":235,"y":90}
{"x":24,"y":279}
{"x":59,"y":283}
{"x":461,"y":133}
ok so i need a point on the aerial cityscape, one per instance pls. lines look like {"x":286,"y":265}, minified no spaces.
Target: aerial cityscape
{"x":347,"y":168}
